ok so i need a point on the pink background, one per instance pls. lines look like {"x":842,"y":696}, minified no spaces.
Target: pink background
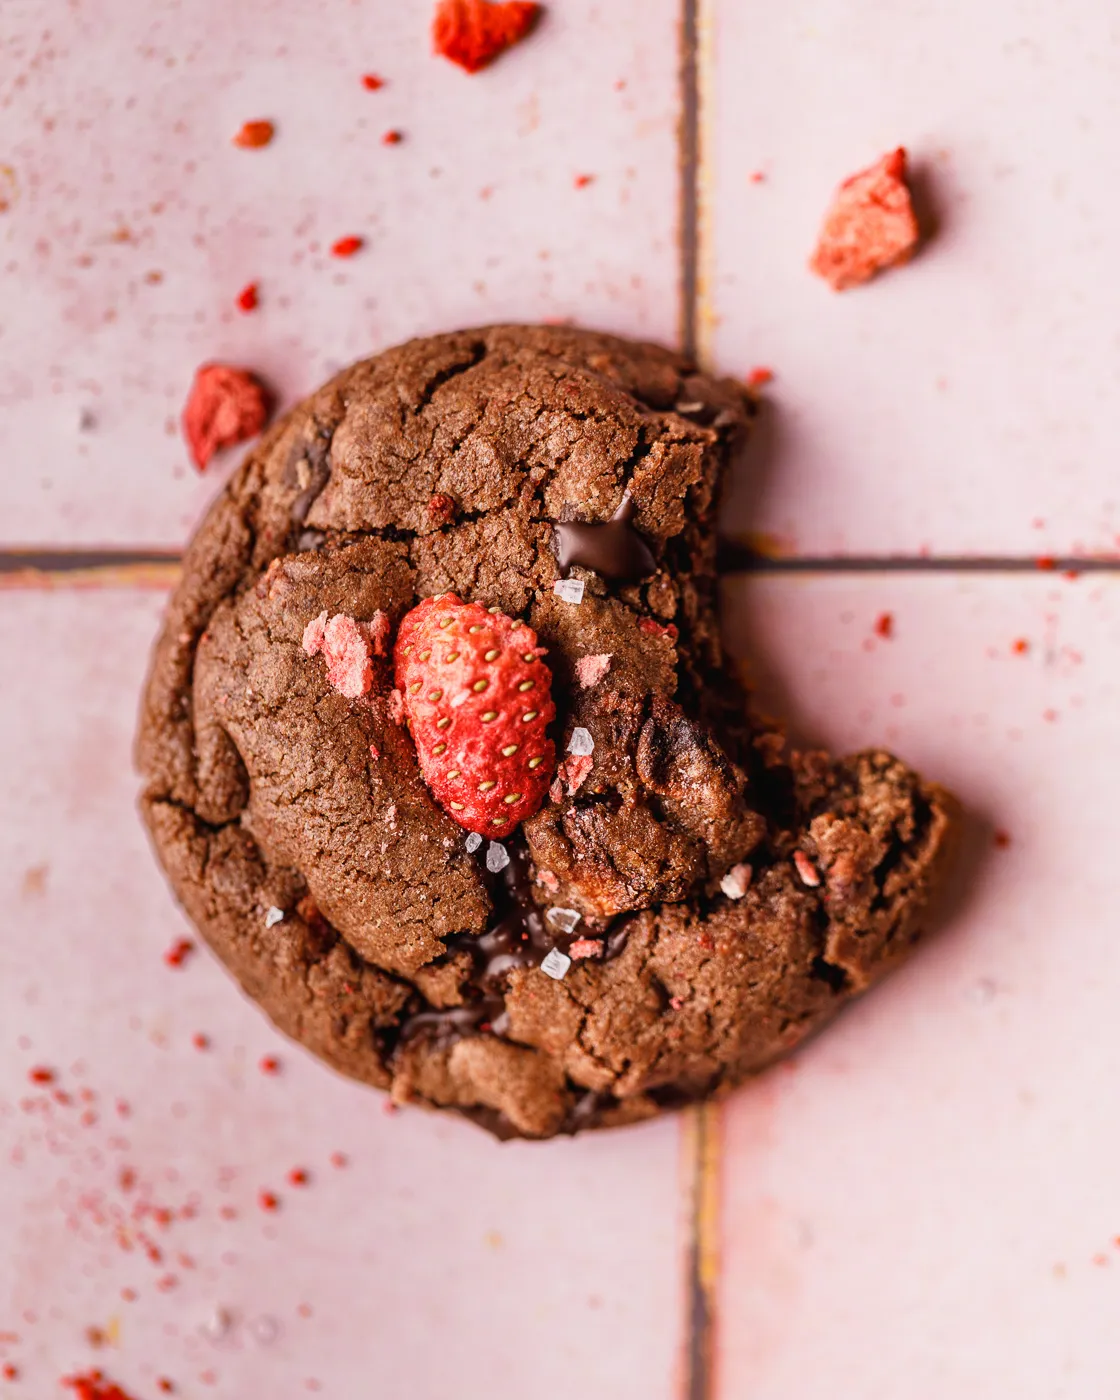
{"x":925,"y":1202}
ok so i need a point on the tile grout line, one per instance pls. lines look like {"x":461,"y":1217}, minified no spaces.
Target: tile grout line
{"x":700,"y":1123}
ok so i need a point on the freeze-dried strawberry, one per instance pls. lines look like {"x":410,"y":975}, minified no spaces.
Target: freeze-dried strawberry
{"x":477,"y":697}
{"x":869,"y":226}
{"x":472,"y":33}
{"x":226,"y":406}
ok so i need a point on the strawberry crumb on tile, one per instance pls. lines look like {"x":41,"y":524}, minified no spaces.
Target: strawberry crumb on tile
{"x":254,"y":135}
{"x":248,"y":297}
{"x":759,"y":377}
{"x":10,"y":1372}
{"x":392,"y":138}
{"x":93,"y":1385}
{"x":371,"y":82}
{"x":339,"y":1160}
{"x":269,"y":1064}
{"x":226,"y":406}
{"x":756,"y":177}
{"x":1020,"y":646}
{"x":869,"y":226}
{"x":1002,"y":839}
{"x":298,"y":1177}
{"x":200,"y":1041}
{"x":345,"y":646}
{"x":346,"y":247}
{"x":590,"y":670}
{"x":179,"y":952}
{"x":268,"y":1201}
{"x":884,"y":626}
{"x":581,"y":182}
{"x":41,"y":1075}
{"x":1046,"y":562}
{"x":473,"y":33}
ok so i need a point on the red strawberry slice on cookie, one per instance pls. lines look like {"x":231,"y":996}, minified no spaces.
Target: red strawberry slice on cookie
{"x":478,"y":699}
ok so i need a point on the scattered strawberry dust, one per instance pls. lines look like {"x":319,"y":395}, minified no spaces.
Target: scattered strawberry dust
{"x":759,"y":377}
{"x":254,"y":135}
{"x":884,"y":626}
{"x":247,"y":298}
{"x":346,"y":247}
{"x":226,"y":405}
{"x":371,"y":82}
{"x":93,"y":1385}
{"x":179,"y":952}
{"x":392,"y":138}
{"x":473,"y":33}
{"x":581,"y":182}
{"x":869,"y":226}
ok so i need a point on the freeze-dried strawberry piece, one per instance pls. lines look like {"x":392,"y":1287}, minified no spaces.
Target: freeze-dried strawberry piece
{"x":472,"y":33}
{"x":345,"y":645}
{"x":869,"y":226}
{"x":478,"y":699}
{"x":226,"y":405}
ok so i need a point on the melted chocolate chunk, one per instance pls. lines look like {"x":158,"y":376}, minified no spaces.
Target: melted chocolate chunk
{"x":520,"y":937}
{"x":612,"y":548}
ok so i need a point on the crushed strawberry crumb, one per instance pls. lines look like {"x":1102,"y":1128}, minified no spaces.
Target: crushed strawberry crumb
{"x":254,"y":135}
{"x":1046,"y":562}
{"x":581,"y":182}
{"x":10,"y":1372}
{"x":345,"y":645}
{"x":339,"y":1160}
{"x":270,"y":1065}
{"x":590,"y":670}
{"x":585,"y":948}
{"x":658,"y":629}
{"x":200,"y":1041}
{"x":869,"y":226}
{"x":392,"y":138}
{"x":248,"y":297}
{"x":473,"y":33}
{"x":268,"y":1201}
{"x":41,"y":1075}
{"x":1020,"y":646}
{"x":93,"y":1385}
{"x":179,"y":952}
{"x":346,"y":247}
{"x":806,"y":869}
{"x":226,"y":406}
{"x":371,"y":82}
{"x":442,"y":508}
{"x":759,"y":377}
{"x":756,"y":177}
{"x":884,"y":625}
{"x":298,"y":1177}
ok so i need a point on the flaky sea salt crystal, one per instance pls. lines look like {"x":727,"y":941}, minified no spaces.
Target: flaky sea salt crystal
{"x":563,"y":919}
{"x":497,"y":857}
{"x":274,"y":916}
{"x":474,"y":840}
{"x":556,"y":964}
{"x":581,"y":742}
{"x":569,"y":589}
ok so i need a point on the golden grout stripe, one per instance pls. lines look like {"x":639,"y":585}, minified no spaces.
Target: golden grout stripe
{"x":156,"y":576}
{"x":701,"y":1147}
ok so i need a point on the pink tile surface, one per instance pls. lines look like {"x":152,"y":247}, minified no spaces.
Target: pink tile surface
{"x":116,"y":122}
{"x":926,"y":1204}
{"x":957,"y":402}
{"x":437,"y":1262}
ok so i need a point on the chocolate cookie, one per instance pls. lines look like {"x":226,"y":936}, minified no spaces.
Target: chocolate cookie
{"x":689,"y":902}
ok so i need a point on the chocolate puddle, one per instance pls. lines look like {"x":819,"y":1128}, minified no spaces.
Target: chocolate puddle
{"x":613,"y":548}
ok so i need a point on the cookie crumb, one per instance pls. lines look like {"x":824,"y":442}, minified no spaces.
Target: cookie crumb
{"x":869,"y":226}
{"x":273,"y":917}
{"x":570,"y":590}
{"x":737,"y":881}
{"x":806,"y":869}
{"x":563,"y":919}
{"x":556,"y":964}
{"x":497,"y":857}
{"x":581,"y":742}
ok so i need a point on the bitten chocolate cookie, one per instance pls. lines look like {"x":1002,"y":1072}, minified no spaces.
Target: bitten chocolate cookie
{"x":680,"y":903}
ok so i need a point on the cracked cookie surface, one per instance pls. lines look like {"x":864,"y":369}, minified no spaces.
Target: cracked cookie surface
{"x":714,"y":897}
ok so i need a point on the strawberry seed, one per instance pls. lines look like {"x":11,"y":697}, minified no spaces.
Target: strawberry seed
{"x":535,"y":762}
{"x":488,"y":716}
{"x":434,"y":695}
{"x":487,"y":785}
{"x":511,"y":798}
{"x":444,"y":722}
{"x":528,"y":716}
{"x":526,"y":685}
{"x":510,"y":748}
{"x":492,"y":654}
{"x":479,"y":686}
